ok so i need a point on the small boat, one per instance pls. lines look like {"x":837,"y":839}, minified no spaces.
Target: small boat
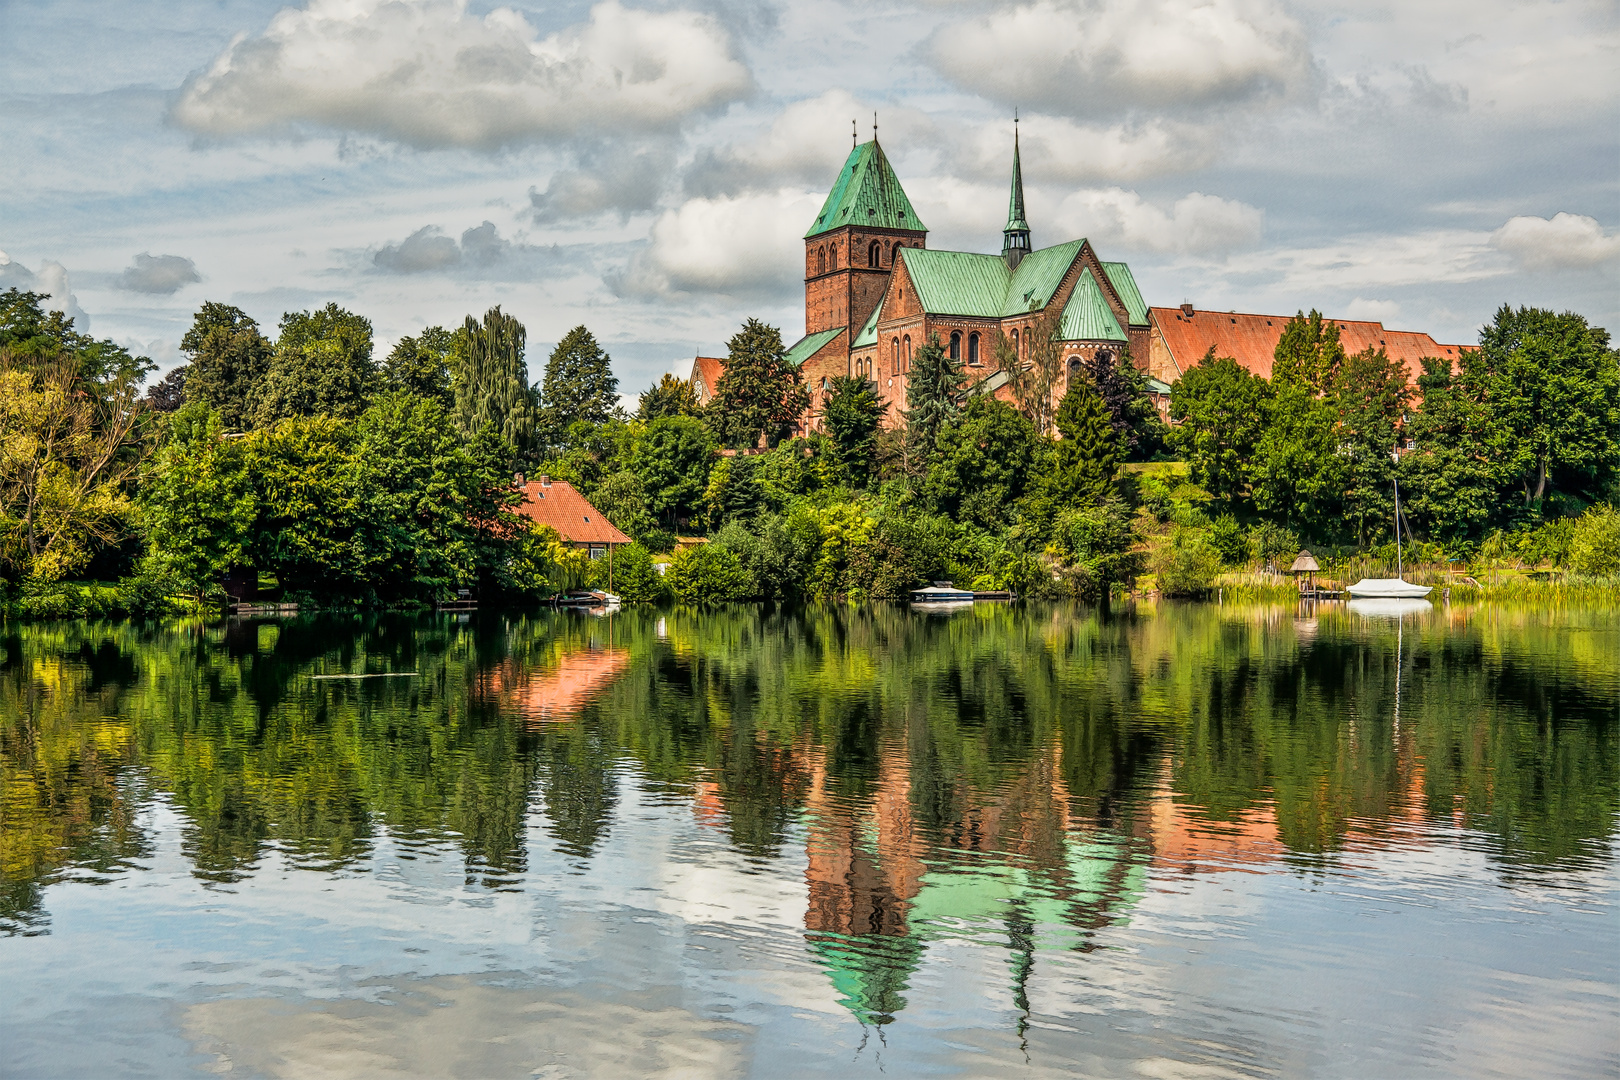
{"x":1397,"y":587}
{"x":941,"y":592}
{"x":587,"y":598}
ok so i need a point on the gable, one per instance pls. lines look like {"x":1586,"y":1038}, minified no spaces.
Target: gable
{"x":1087,"y":316}
{"x":1039,"y":276}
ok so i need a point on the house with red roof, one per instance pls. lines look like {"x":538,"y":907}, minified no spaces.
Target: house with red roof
{"x":558,"y":504}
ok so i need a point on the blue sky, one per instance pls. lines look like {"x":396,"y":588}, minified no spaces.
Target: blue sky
{"x":647,"y":169}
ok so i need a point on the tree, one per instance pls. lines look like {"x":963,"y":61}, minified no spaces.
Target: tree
{"x":1308,"y":353}
{"x":1035,"y":379}
{"x":673,"y":460}
{"x":735,"y":493}
{"x":1553,"y":388}
{"x":707,"y":574}
{"x":322,"y":367}
{"x":669,"y":396}
{"x":636,"y":579}
{"x":1451,"y":483}
{"x":1096,"y":541}
{"x":1222,"y":410}
{"x":69,"y":451}
{"x":491,"y":384}
{"x":934,"y":393}
{"x":1082,"y":464}
{"x":1122,"y":386}
{"x":623,"y":501}
{"x":229,"y":360}
{"x":759,"y":396}
{"x":983,"y":464}
{"x":421,"y":365}
{"x":305,"y":506}
{"x":851,"y":417}
{"x":1298,"y":472}
{"x":1372,"y":396}
{"x":197,"y":504}
{"x":32,"y":334}
{"x":168,"y":393}
{"x":579,"y":384}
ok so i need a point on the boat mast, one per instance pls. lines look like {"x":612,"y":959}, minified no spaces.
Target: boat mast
{"x":1400,"y":570}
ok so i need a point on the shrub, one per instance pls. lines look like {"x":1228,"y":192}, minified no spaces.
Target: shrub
{"x":1186,"y":563}
{"x":1595,"y":546}
{"x":1270,"y":541}
{"x":708,"y":574}
{"x":1227,"y":536}
{"x":635,"y":578}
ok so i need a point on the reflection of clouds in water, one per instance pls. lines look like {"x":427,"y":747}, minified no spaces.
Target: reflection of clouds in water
{"x":460,"y":1026}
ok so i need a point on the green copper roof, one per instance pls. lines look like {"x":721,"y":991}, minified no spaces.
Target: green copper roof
{"x":1087,"y":316}
{"x":957,"y":282}
{"x":868,"y":334}
{"x":866,"y":193}
{"x":1124,"y":283}
{"x":806,"y":347}
{"x":1038,"y":277}
{"x":1015,"y":201}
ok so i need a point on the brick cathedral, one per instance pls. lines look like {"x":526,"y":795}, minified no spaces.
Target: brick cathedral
{"x":874,"y":293}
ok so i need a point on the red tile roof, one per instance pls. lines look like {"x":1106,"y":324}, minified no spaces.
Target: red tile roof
{"x":706,"y":370}
{"x":1251,"y":340}
{"x":557,"y":504}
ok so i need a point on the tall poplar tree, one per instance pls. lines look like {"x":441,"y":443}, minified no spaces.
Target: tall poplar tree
{"x":491,"y":384}
{"x":759,"y":395}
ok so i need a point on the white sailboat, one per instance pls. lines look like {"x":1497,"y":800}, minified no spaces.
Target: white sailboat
{"x":1397,"y":587}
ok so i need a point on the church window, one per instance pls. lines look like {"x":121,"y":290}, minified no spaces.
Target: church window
{"x":973,"y":349}
{"x":1074,"y":366}
{"x":833,"y":260}
{"x":874,"y":254}
{"x":907,"y":354}
{"x":823,"y":261}
{"x":1015,"y":341}
{"x":894,"y":347}
{"x":956,"y":344}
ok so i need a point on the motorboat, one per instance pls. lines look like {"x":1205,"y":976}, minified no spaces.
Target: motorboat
{"x":941,"y":592}
{"x":1388,"y":589}
{"x":588,"y":599}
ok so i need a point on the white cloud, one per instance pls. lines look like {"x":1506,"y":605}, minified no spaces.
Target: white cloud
{"x":428,"y":249}
{"x":1371,"y":262}
{"x":1564,"y":242}
{"x":1055,"y":148}
{"x":746,"y":244}
{"x":1093,"y":57}
{"x":1384,"y":311}
{"x":52,"y":280}
{"x":163,"y":275}
{"x":428,"y":74}
{"x":1195,"y":224}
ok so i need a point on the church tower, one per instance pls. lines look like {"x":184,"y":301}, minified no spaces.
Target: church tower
{"x":1015,"y":237}
{"x":850,"y":248}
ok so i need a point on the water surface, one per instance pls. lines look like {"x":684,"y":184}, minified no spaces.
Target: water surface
{"x":1197,"y":841}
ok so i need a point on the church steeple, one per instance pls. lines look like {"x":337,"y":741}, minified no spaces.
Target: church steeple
{"x":1015,"y":237}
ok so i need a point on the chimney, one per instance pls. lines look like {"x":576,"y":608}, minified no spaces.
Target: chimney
{"x":545,"y":481}
{"x":1187,"y":310}
{"x":517,"y":479}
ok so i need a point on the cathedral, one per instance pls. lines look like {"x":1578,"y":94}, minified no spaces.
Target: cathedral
{"x":874,"y":292}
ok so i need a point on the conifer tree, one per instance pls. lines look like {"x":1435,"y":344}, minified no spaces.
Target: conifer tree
{"x":229,"y":359}
{"x":491,"y":383}
{"x":1122,"y":386}
{"x":1085,"y":459}
{"x":669,"y":396}
{"x":579,"y":384}
{"x":759,"y":395}
{"x":934,"y":396}
{"x":851,"y":418}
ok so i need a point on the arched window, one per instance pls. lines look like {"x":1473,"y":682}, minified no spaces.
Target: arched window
{"x":833,"y":261}
{"x":874,"y":254}
{"x":956,"y":344}
{"x":1074,"y":366}
{"x":894,"y":347}
{"x":1015,"y":341}
{"x":973,"y":349}
{"x":823,"y":262}
{"x":907,"y":354}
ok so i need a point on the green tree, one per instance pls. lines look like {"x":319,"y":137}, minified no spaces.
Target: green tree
{"x":934,"y":401}
{"x":669,"y":396}
{"x":322,"y":367}
{"x":579,"y":384}
{"x":623,"y":501}
{"x":1298,"y":472}
{"x":983,"y":464}
{"x":673,"y":459}
{"x":1081,"y":466}
{"x":635,"y":579}
{"x":306,"y":513}
{"x":851,"y":416}
{"x":1122,"y":386}
{"x":1095,"y":541}
{"x":707,"y":574}
{"x":421,"y":365}
{"x":490,"y":382}
{"x":1553,"y":388}
{"x":1372,"y":396}
{"x":197,"y":504}
{"x":1309,"y":353}
{"x":735,"y":492}
{"x":759,"y":396}
{"x":1185,"y":563}
{"x":229,"y":361}
{"x":1451,"y":483}
{"x":1595,"y":546}
{"x":1222,"y":411}
{"x":31,"y":333}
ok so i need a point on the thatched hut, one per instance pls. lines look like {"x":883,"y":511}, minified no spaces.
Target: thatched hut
{"x":1305,"y":564}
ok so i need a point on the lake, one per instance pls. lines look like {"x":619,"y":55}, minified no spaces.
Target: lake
{"x":1197,"y":841}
